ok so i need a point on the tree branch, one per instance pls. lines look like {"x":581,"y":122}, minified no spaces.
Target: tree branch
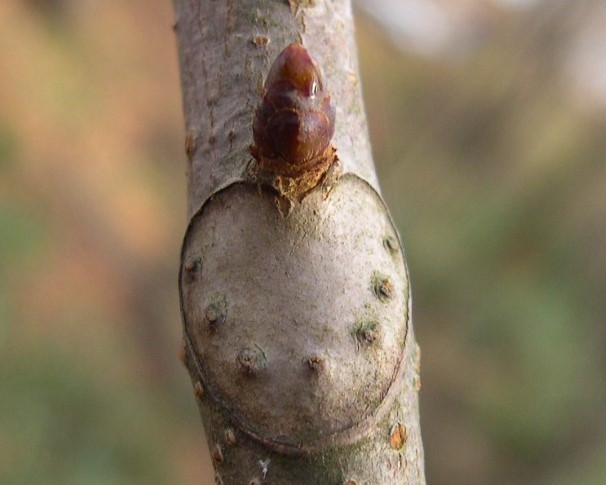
{"x":297,"y":325}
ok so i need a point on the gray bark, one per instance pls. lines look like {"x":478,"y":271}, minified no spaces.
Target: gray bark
{"x":297,"y":328}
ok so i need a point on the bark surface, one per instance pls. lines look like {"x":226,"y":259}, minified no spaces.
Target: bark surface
{"x":297,"y":325}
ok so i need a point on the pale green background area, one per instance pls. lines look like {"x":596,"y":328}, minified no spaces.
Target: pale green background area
{"x":493,"y":167}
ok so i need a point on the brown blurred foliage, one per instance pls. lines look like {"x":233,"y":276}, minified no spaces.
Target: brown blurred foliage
{"x":494,"y":172}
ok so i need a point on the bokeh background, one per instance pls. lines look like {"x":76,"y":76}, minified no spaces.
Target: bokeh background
{"x":488,"y":124}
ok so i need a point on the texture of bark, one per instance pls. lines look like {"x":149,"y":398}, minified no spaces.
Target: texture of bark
{"x":297,"y":328}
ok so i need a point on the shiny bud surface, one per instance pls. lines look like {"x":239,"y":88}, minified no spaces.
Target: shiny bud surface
{"x":295,"y":121}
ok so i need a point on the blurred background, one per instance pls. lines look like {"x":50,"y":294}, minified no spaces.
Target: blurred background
{"x":488,"y":124}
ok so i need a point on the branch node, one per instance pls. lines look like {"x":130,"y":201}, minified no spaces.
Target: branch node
{"x":390,"y":243}
{"x":259,"y":40}
{"x":398,"y":436}
{"x":216,"y":313}
{"x":193,"y":267}
{"x":252,"y":361}
{"x":382,"y":287}
{"x":316,"y":363}
{"x":190,"y":145}
{"x":183,"y":355}
{"x":230,"y":437}
{"x":367,"y":332}
{"x":217,"y":454}
{"x":198,"y":390}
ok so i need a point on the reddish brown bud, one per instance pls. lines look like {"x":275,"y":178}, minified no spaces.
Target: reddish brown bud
{"x":295,"y":121}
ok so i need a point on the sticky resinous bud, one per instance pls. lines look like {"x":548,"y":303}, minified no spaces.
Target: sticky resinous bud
{"x":295,"y":122}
